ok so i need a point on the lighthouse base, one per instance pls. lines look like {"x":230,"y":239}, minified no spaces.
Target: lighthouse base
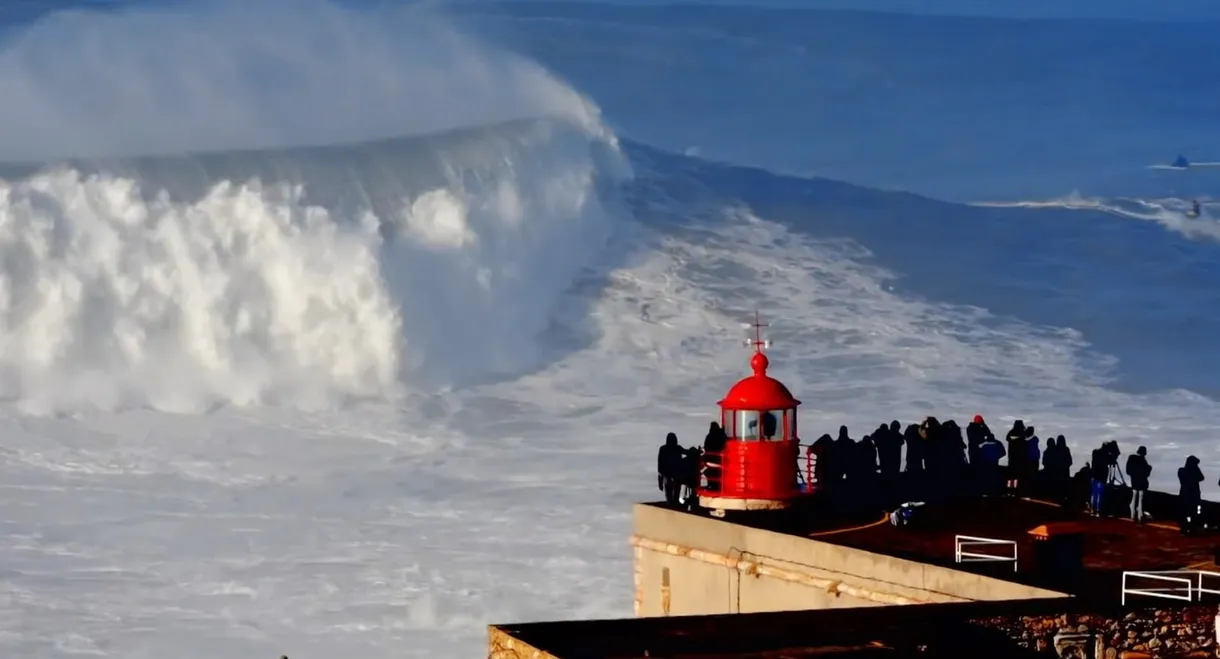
{"x":718,"y":505}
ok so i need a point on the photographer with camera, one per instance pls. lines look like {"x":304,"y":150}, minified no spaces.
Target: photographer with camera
{"x":1105,"y":473}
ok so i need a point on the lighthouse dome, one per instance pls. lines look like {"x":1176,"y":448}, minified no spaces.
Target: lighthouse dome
{"x":759,"y":391}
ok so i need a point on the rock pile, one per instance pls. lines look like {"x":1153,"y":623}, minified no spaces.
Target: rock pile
{"x":1148,"y":634}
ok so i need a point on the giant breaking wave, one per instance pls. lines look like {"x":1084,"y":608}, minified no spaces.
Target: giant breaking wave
{"x":293,"y":275}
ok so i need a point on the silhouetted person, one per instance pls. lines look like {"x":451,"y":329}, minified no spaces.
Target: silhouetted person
{"x":669,"y":469}
{"x":889,"y":452}
{"x":987,"y":465}
{"x":1190,"y":478}
{"x":1099,"y":474}
{"x":1057,"y":459}
{"x":713,"y":446}
{"x":976,"y":433}
{"x":1065,"y":455}
{"x":955,"y":445}
{"x":1017,"y":454}
{"x":953,"y":457}
{"x":916,"y":448}
{"x":1138,"y":470}
{"x":864,"y":479}
{"x":1033,"y":458}
{"x":688,"y":476}
{"x":822,"y":463}
{"x":1033,"y":449}
{"x":1079,"y":488}
{"x":843,"y":458}
{"x":934,"y":457}
{"x":770,"y":425}
{"x":1057,"y":467}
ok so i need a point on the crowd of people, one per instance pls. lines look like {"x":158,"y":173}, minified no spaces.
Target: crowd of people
{"x":943,"y":460}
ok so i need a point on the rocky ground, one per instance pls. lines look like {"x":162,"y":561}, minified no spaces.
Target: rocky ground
{"x":1147,"y":634}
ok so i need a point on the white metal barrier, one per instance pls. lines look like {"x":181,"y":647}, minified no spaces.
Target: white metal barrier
{"x":963,"y":543}
{"x":1184,"y":585}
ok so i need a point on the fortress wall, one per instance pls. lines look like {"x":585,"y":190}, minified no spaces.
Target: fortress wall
{"x":689,"y":565}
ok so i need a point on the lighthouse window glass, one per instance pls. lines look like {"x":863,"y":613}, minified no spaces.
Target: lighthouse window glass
{"x":728,"y":423}
{"x":790,"y":415}
{"x":747,"y":425}
{"x":770,"y":423}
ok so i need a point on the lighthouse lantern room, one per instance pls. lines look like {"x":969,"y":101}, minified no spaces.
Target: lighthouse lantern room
{"x":757,"y":470}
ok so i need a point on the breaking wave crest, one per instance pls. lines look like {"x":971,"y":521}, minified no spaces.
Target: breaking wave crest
{"x":304,"y":277}
{"x":116,"y":295}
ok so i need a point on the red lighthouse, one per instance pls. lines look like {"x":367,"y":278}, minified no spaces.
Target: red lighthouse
{"x":757,"y":470}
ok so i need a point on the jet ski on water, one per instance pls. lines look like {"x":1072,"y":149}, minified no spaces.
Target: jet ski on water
{"x":1181,"y":162}
{"x":1195,"y":209}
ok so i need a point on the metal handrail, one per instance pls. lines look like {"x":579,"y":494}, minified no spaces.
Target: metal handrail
{"x":961,"y":555}
{"x":1192,"y":579}
{"x":812,"y":482}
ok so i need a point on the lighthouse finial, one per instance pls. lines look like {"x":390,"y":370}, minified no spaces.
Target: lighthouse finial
{"x":759,"y":361}
{"x":758,"y":343}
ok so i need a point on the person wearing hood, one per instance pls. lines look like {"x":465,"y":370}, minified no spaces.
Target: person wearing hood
{"x":1057,"y":467}
{"x":1057,"y":459}
{"x":1190,"y":476}
{"x":987,"y":465}
{"x":842,"y":461}
{"x":976,"y":433}
{"x":670,"y":458}
{"x":955,"y":447}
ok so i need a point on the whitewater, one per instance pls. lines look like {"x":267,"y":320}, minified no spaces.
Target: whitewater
{"x":350,"y":331}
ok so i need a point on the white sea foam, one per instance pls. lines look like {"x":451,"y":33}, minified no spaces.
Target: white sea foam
{"x":114,"y":294}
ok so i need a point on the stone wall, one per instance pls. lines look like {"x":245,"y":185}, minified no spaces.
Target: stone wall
{"x":691,"y":565}
{"x":1145,"y":634}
